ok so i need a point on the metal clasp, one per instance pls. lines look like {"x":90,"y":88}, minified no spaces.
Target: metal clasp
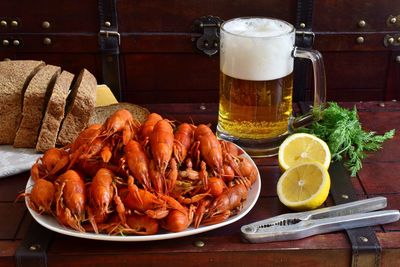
{"x":208,"y":26}
{"x":108,"y":33}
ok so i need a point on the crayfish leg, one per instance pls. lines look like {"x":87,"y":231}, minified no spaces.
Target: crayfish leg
{"x":217,"y":218}
{"x":203,"y":175}
{"x":200,"y":211}
{"x":134,"y":190}
{"x":92,"y":220}
{"x":106,"y":153}
{"x":158,"y":213}
{"x":36,"y":170}
{"x":120,"y":209}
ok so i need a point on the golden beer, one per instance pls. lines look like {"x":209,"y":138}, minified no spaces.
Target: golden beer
{"x":256,"y":83}
{"x":254,"y":109}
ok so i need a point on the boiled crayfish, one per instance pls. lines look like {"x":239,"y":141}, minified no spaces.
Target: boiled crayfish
{"x":123,"y":177}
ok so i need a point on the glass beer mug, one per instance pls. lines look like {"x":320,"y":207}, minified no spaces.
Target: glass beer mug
{"x":256,"y":83}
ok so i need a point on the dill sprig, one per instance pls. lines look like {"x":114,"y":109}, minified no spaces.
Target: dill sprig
{"x":341,"y":129}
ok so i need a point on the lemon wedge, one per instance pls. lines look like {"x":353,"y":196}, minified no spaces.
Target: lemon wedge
{"x":304,"y":186}
{"x":303,"y":147}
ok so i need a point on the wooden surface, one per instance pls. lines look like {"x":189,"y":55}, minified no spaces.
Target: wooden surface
{"x":223,"y":247}
{"x":160,"y":64}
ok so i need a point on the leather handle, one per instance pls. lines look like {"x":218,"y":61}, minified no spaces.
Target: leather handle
{"x":109,"y":42}
{"x":32,"y":251}
{"x":301,"y":67}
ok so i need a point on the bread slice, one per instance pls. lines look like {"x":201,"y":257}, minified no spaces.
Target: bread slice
{"x":15,"y":75}
{"x":54,"y":112}
{"x":81,"y":103}
{"x":103,"y":112}
{"x":34,"y":105}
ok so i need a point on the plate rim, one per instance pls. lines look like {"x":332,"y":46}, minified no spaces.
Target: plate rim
{"x":255,"y":189}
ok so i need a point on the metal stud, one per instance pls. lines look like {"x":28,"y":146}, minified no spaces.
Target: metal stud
{"x":382,"y":105}
{"x":364,"y":239}
{"x":14,"y":23}
{"x":397,"y":59}
{"x":199,"y":243}
{"x":390,"y":40}
{"x":203,"y":107}
{"x":6,"y":42}
{"x":393,"y":20}
{"x":302,"y":25}
{"x":16,"y":42}
{"x":361,"y":23}
{"x":45,"y":24}
{"x":107,"y":24}
{"x":360,"y":40}
{"x":3,"y":23}
{"x":34,"y":247}
{"x":47,"y":41}
{"x":345,"y":196}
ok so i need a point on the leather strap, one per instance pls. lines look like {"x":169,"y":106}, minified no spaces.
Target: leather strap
{"x":304,"y":39}
{"x":366,"y":250}
{"x":304,"y":14}
{"x":109,"y":42}
{"x":365,"y":245}
{"x":32,"y":251}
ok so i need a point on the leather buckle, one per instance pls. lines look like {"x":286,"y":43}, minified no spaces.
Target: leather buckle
{"x":305,"y":38}
{"x":108,"y":33}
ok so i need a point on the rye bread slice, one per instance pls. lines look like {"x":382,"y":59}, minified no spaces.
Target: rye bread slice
{"x":54,"y":112}
{"x":34,"y":105}
{"x":80,"y":107}
{"x":102,"y":113}
{"x":15,"y":75}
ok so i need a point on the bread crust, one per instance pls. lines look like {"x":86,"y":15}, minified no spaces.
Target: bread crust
{"x":55,"y":112}
{"x":34,"y":105}
{"x":14,"y":77}
{"x":81,"y":107}
{"x":103,"y":112}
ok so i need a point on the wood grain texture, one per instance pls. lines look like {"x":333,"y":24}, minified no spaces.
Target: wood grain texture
{"x":30,"y":16}
{"x":178,"y":16}
{"x":11,"y":216}
{"x":393,"y":77}
{"x":159,"y":59}
{"x":223,"y":246}
{"x":342,"y":15}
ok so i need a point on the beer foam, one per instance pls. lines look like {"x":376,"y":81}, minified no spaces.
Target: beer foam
{"x":257,"y":49}
{"x":257,"y":27}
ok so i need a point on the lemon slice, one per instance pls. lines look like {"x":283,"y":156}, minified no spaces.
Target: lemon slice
{"x":302,"y":147}
{"x":304,"y":186}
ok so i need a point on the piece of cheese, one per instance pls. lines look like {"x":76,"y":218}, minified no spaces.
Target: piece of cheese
{"x":104,"y":96}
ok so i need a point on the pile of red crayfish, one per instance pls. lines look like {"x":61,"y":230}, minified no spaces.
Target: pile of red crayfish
{"x":124,"y":177}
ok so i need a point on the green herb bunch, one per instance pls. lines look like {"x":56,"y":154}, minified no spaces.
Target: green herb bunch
{"x":341,"y":129}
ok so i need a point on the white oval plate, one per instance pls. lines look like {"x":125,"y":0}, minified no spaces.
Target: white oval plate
{"x":51,"y":223}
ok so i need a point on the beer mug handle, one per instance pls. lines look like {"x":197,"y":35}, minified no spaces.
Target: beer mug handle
{"x":319,"y":82}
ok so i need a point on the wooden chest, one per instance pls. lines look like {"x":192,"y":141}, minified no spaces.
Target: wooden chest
{"x":158,"y":58}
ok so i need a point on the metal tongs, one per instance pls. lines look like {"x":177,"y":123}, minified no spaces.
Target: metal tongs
{"x":292,"y":226}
